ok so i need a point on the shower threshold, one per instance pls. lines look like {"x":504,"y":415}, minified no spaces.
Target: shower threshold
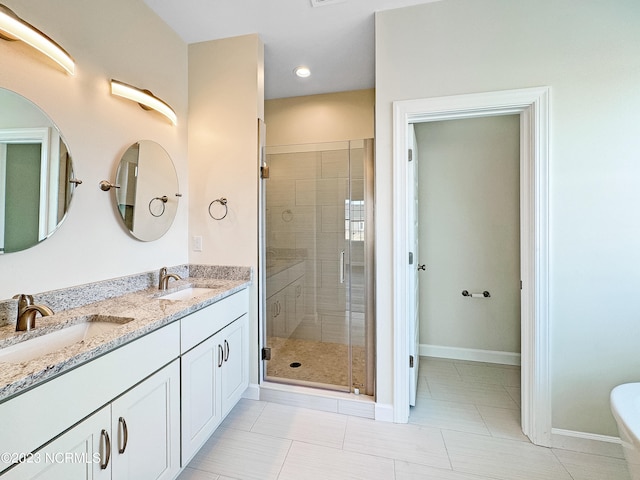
{"x":318,"y":399}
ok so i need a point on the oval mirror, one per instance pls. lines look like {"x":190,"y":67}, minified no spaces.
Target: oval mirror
{"x":146,"y":193}
{"x":36,"y":174}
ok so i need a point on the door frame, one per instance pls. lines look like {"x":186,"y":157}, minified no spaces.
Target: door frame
{"x":42,"y":137}
{"x":532,"y":105}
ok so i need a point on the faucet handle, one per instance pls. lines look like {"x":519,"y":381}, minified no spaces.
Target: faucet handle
{"x":23,"y":300}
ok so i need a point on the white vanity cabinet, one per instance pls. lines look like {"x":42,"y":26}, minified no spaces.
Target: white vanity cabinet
{"x":75,"y":455}
{"x":137,"y":436}
{"x":153,"y":401}
{"x":33,"y":418}
{"x":215,"y":372}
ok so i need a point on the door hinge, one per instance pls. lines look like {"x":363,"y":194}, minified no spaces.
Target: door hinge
{"x":410,"y":258}
{"x":410,"y":154}
{"x":264,"y":171}
{"x":266,"y":353}
{"x":410,"y":361}
{"x":520,"y":284}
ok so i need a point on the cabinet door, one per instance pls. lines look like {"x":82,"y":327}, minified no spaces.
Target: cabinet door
{"x":235,"y":371}
{"x":201,"y":412}
{"x":145,"y":424}
{"x":76,"y":455}
{"x":295,"y":305}
{"x":276,"y":315}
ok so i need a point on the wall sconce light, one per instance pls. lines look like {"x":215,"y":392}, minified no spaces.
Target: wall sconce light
{"x":144,"y":98}
{"x":12,"y":27}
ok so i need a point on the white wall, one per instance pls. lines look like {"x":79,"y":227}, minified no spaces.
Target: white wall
{"x":587,"y":52}
{"x":119,"y":39}
{"x":470,"y":233}
{"x":226,"y":98}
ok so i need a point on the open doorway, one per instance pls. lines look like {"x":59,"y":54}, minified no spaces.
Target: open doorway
{"x":469,"y":236}
{"x":468,"y":264}
{"x":531,"y":105}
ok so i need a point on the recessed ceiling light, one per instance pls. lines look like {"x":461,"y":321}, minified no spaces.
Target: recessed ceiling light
{"x":302,"y":72}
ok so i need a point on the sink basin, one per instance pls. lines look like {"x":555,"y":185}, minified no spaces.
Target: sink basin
{"x":187,"y":293}
{"x":58,"y":339}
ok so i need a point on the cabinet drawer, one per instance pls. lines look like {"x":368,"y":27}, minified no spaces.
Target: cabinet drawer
{"x":200,"y":325}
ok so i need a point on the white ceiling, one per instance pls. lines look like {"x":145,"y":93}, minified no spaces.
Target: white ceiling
{"x":336,"y":41}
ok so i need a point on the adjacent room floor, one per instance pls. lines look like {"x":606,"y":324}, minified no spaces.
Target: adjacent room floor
{"x":465,"y":426}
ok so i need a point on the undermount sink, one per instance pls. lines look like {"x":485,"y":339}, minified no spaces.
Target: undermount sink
{"x":187,"y":293}
{"x":46,"y":343}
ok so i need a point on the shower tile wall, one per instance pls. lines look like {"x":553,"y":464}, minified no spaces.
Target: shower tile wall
{"x":306,"y":196}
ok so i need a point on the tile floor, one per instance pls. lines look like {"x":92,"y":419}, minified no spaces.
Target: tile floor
{"x":465,"y":426}
{"x":319,"y":362}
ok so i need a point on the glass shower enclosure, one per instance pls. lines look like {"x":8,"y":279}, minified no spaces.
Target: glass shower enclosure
{"x":318,"y":236}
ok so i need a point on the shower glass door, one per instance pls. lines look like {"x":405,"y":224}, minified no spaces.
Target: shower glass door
{"x":315,"y":237}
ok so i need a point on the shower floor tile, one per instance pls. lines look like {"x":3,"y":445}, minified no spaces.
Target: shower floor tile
{"x":317,"y":362}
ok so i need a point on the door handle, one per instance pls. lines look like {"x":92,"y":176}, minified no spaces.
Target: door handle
{"x":341,"y":266}
{"x":227,"y":350}
{"x":107,"y":443}
{"x":125,"y":433}
{"x":220,"y":356}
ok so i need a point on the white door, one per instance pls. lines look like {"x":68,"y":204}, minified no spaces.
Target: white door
{"x":413,"y":330}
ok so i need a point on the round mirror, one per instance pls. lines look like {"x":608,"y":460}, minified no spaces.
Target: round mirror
{"x":146,"y":190}
{"x":36,"y":174}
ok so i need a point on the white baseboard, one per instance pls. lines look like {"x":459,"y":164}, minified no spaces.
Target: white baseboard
{"x":586,"y":442}
{"x":252,"y":392}
{"x":475,"y":355}
{"x":384,"y":412}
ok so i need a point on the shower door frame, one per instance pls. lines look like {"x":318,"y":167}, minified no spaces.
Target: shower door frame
{"x":369,"y":271}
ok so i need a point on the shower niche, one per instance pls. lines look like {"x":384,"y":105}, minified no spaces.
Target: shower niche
{"x":318,"y":228}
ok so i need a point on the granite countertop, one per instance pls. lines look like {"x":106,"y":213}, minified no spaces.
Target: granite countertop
{"x":275,"y":266}
{"x":135,"y":313}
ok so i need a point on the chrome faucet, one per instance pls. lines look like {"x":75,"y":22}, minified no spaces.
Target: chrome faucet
{"x":27,"y":311}
{"x":164,"y":277}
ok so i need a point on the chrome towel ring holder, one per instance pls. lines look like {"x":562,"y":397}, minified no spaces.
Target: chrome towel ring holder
{"x":222,"y":201}
{"x":160,"y":207}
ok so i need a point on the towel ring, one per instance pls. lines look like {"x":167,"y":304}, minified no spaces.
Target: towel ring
{"x":287,"y":215}
{"x":222,"y":201}
{"x":162,"y":200}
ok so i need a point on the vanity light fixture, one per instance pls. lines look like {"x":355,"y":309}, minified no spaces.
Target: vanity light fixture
{"x":302,"y":71}
{"x":144,"y":98}
{"x":12,"y":27}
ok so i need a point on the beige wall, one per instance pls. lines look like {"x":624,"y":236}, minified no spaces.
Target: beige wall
{"x":119,"y":39}
{"x":469,"y":233}
{"x":586,"y":51}
{"x":225,"y":101}
{"x":329,"y":117}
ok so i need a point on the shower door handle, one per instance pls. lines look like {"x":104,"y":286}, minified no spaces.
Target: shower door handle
{"x":341,"y":266}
